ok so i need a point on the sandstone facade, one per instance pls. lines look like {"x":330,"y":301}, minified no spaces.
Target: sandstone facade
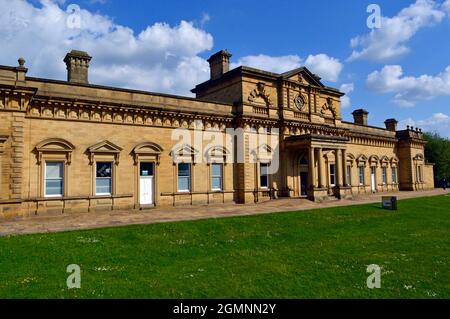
{"x":69,"y":146}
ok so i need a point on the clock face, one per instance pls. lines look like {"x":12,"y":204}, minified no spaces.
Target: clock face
{"x":299,"y":102}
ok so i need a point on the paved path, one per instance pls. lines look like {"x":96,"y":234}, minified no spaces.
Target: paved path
{"x":45,"y":224}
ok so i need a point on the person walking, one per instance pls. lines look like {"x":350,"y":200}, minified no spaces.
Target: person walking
{"x":444,"y":184}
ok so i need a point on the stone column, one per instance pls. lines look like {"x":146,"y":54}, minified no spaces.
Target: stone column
{"x":311,"y":168}
{"x":320,"y":166}
{"x":338,"y":167}
{"x":344,"y":166}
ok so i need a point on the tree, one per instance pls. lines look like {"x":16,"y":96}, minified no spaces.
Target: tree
{"x":437,"y":151}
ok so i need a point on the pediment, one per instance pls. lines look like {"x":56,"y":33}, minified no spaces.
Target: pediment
{"x":148,"y":148}
{"x":184,"y":150}
{"x":105,"y":147}
{"x":303,"y":76}
{"x":55,"y":145}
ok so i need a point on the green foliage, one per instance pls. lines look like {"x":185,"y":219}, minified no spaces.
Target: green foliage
{"x":437,"y":151}
{"x":321,"y":253}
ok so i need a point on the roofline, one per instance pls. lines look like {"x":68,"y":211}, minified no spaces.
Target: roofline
{"x":241,"y":70}
{"x":112,"y":88}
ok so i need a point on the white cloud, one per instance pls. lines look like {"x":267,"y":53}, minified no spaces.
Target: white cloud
{"x":160,"y":58}
{"x":277,"y":64}
{"x":205,"y":19}
{"x":326,"y":67}
{"x":446,"y":7}
{"x":346,"y":88}
{"x":390,"y":41}
{"x":409,"y":90}
{"x":439,"y":123}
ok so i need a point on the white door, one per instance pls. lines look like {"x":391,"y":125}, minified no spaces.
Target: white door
{"x":146,"y":184}
{"x":373,"y":180}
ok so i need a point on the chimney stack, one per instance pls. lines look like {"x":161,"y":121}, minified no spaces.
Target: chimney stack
{"x":219,"y":64}
{"x":391,"y":124}
{"x":360,"y":117}
{"x":77,"y":63}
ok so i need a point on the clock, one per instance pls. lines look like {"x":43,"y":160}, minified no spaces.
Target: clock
{"x":299,"y":102}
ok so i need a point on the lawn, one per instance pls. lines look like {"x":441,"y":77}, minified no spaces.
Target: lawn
{"x":309,"y":254}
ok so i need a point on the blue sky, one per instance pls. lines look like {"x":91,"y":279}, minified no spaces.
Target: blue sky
{"x":400,"y":70}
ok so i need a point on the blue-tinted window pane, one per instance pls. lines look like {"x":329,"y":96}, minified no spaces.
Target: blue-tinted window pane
{"x":103,"y":186}
{"x":183,"y":184}
{"x":216,"y":183}
{"x":216,"y":169}
{"x":54,"y":170}
{"x":264,"y":169}
{"x":104,"y":169}
{"x":183,"y":169}
{"x":54,"y":187}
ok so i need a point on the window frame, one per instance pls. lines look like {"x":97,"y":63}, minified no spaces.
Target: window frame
{"x":189,"y":177}
{"x":62,"y":178}
{"x":384,"y":175}
{"x":349,"y":175}
{"x":362,"y":175}
{"x":111,"y":178}
{"x":394,"y":175}
{"x":217,"y":176}
{"x":332,"y":181}
{"x":265,"y":175}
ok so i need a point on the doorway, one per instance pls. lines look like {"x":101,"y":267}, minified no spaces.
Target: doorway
{"x":146,"y":183}
{"x":303,"y":184}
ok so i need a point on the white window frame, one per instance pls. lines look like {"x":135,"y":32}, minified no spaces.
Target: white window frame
{"x":188,"y":190}
{"x":349,"y":175}
{"x":361,"y":175}
{"x":384,"y":175}
{"x":394,"y":173}
{"x":63,"y":179}
{"x":111,"y":178}
{"x":262,"y":175}
{"x":332,"y":174}
{"x":217,"y":176}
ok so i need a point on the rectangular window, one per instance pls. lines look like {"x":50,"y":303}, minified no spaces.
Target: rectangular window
{"x":394,"y":175}
{"x":103,"y":178}
{"x":332,"y":175}
{"x":264,"y":175}
{"x":349,"y":175}
{"x":54,"y":179}
{"x":419,"y":174}
{"x":384,"y":175}
{"x":184,"y":177}
{"x":361,"y":175}
{"x":216,"y":177}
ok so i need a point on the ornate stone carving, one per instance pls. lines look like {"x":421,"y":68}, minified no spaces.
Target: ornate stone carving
{"x":260,"y":92}
{"x":329,"y":107}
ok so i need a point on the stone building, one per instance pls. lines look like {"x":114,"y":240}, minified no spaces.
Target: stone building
{"x":71,"y":146}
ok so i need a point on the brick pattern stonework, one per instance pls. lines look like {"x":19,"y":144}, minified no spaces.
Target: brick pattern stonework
{"x":79,"y":125}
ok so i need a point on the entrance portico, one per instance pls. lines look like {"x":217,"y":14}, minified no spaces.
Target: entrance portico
{"x":325,"y":157}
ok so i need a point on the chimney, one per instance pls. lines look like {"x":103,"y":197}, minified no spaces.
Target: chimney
{"x":77,"y":63}
{"x":360,"y":116}
{"x":219,"y":64}
{"x":391,"y":124}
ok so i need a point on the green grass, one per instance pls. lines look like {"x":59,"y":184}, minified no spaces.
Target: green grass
{"x":309,"y":254}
